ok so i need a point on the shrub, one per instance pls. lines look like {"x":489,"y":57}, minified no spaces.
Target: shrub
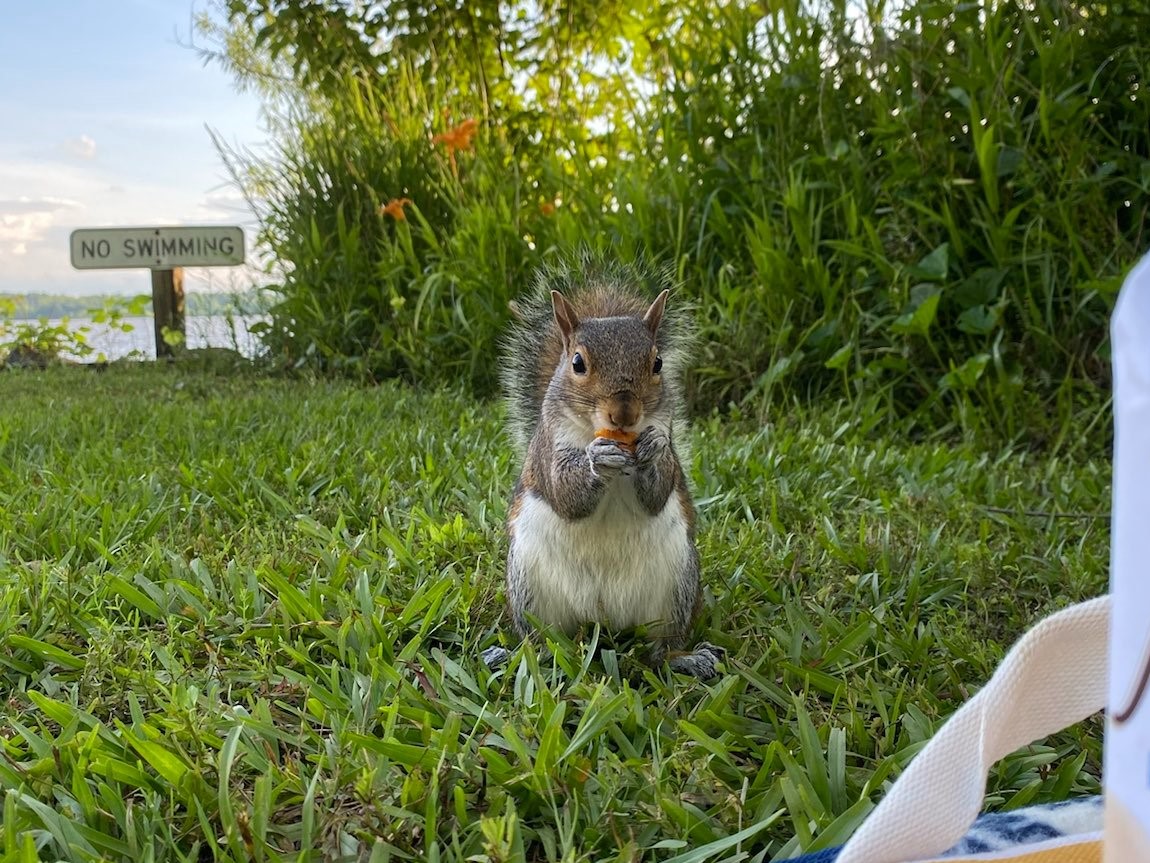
{"x":42,"y":342}
{"x":924,"y":205}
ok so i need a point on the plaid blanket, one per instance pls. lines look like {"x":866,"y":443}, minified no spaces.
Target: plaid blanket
{"x":1052,"y":833}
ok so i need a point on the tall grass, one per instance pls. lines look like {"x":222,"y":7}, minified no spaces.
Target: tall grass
{"x":923,"y":205}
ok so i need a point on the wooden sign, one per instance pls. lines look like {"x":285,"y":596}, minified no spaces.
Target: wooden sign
{"x":157,"y":248}
{"x":165,"y":251}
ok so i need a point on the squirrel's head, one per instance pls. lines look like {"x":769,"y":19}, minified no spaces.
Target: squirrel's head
{"x":610,"y":370}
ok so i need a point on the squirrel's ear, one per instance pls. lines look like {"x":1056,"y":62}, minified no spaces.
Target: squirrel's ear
{"x":565,"y":316}
{"x":654,"y":315}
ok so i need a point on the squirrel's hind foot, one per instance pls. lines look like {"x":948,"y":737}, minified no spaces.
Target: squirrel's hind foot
{"x":702,"y":662}
{"x":495,"y":656}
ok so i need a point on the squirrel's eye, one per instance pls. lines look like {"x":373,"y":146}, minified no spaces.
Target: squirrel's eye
{"x":578,"y":364}
{"x":658,"y":367}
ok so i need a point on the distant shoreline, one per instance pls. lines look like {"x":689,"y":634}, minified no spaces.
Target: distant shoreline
{"x":33,"y":306}
{"x":133,"y":336}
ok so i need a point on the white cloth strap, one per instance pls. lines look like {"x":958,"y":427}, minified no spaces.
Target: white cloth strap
{"x":1053,"y":677}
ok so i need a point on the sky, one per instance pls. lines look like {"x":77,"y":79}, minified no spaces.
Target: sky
{"x":103,"y":108}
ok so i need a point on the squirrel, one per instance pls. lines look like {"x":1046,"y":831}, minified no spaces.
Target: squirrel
{"x":601,"y":521}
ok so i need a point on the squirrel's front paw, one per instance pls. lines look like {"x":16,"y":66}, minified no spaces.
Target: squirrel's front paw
{"x":607,"y":458}
{"x":651,"y":443}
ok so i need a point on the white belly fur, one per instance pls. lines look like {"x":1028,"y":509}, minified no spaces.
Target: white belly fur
{"x":618,"y":566}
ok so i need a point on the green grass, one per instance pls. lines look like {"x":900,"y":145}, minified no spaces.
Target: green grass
{"x":241,"y":618}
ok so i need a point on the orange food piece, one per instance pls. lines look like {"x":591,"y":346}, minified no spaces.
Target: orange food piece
{"x":625,"y":439}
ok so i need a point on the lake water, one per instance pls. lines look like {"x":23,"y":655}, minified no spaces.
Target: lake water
{"x":140,"y":342}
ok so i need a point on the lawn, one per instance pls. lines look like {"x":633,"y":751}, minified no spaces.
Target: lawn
{"x":241,"y":618}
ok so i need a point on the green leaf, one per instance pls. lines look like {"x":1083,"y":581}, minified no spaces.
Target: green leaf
{"x":62,"y":829}
{"x":843,"y":827}
{"x":959,"y":95}
{"x":45,"y":651}
{"x":918,"y":322}
{"x":934,"y":266}
{"x":173,"y":338}
{"x":966,"y":376}
{"x":979,"y":320}
{"x":1010,"y":159}
{"x":983,"y":286}
{"x":814,"y":758}
{"x":595,"y":718}
{"x":719,"y":846}
{"x":135,"y":596}
{"x":122,"y":772}
{"x":841,"y":358}
{"x":987,"y":151}
{"x":58,"y":711}
{"x":410,"y":755}
{"x":170,"y":766}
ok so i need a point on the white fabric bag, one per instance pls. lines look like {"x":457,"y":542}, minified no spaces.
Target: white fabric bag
{"x":1053,"y":677}
{"x":1068,"y":667}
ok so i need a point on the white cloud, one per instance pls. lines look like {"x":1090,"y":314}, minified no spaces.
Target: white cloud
{"x":83,"y":147}
{"x":18,"y":229}
{"x":231,"y":206}
{"x":46,"y":204}
{"x":27,"y":220}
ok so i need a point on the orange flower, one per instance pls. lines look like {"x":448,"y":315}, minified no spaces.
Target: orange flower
{"x":457,"y":138}
{"x":394,"y":208}
{"x":547,"y":208}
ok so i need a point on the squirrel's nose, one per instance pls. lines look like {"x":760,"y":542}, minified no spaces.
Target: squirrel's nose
{"x":623,"y":411}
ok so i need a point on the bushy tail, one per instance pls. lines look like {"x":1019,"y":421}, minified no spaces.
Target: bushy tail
{"x":597,"y":288}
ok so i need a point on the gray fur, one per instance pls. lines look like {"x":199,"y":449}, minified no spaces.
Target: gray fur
{"x":518,"y":594}
{"x":578,"y":478}
{"x":686,"y":603}
{"x":657,"y":469}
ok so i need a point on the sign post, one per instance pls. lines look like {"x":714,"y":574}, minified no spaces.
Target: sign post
{"x":165,"y":251}
{"x":167,"y":307}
